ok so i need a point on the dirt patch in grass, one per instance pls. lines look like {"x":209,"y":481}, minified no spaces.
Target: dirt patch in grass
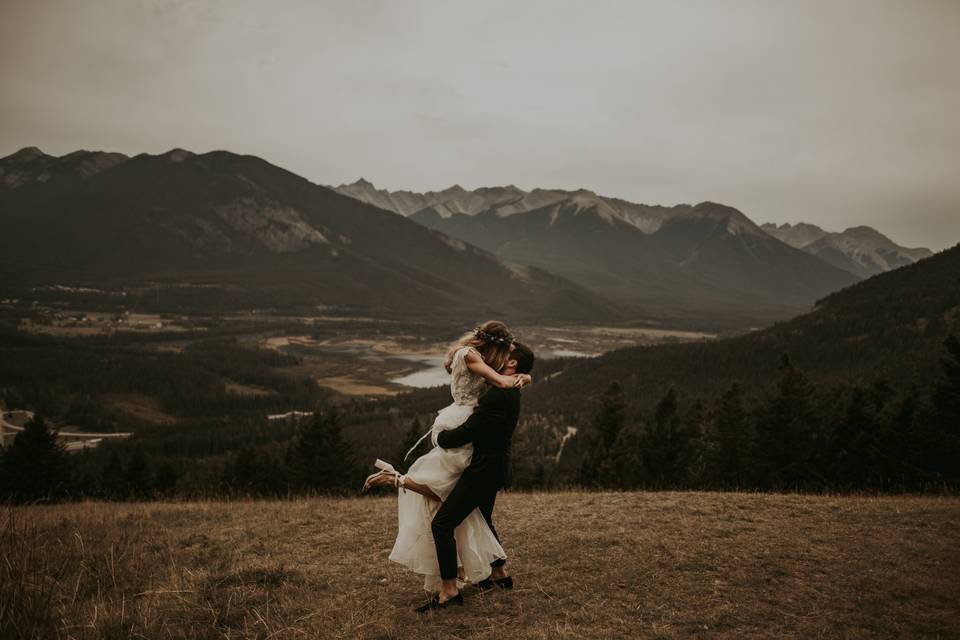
{"x":587,"y":565}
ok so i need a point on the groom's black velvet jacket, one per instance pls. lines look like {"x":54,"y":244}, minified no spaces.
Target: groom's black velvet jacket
{"x":490,"y":429}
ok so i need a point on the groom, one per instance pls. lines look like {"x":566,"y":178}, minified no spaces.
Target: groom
{"x":490,"y":429}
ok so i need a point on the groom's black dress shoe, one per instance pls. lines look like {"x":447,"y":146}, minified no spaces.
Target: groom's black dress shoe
{"x":436,"y":604}
{"x":503,"y":583}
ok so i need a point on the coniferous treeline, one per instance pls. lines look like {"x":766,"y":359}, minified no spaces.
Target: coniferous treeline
{"x":312,"y":456}
{"x":793,"y":435}
{"x":67,"y":378}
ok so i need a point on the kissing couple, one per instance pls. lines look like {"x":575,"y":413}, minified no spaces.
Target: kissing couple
{"x":445,"y":501}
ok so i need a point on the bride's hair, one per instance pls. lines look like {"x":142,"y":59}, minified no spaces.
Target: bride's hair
{"x":492,"y":339}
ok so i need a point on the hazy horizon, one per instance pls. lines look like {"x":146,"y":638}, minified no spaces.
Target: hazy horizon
{"x":834,"y":114}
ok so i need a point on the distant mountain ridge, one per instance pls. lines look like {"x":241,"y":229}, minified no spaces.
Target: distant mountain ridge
{"x":691,"y":260}
{"x":663,"y":268}
{"x":258,"y":233}
{"x":505,"y":201}
{"x":30,"y":165}
{"x":861,"y":250}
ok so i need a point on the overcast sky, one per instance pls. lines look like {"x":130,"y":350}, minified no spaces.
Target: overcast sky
{"x":835,"y":112}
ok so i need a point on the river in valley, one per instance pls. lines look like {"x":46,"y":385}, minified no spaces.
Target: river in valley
{"x":434,"y":374}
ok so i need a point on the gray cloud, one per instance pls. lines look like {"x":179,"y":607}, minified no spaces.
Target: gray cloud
{"x":837,"y":113}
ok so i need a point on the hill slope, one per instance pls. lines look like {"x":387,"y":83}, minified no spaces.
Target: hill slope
{"x":891,"y":325}
{"x":259,"y":234}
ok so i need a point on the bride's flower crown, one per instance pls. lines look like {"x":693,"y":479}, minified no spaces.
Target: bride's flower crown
{"x":486,"y":337}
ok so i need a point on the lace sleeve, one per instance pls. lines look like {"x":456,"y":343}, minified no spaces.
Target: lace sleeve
{"x":465,"y":386}
{"x":460,"y":357}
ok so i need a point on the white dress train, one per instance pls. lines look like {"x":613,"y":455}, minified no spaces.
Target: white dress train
{"x":440,"y":469}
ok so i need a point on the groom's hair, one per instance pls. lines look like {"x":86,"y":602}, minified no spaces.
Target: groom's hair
{"x":524,"y":357}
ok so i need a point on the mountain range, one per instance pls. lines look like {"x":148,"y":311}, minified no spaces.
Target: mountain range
{"x":863,"y":251}
{"x":504,"y":201}
{"x":688,"y":259}
{"x":234,"y":230}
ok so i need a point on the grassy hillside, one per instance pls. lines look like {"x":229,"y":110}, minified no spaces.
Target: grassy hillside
{"x":601,"y":565}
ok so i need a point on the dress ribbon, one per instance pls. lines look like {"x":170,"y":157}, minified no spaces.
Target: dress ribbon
{"x":417,"y":444}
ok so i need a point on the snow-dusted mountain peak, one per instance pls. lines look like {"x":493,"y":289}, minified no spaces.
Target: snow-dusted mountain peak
{"x":861,"y":250}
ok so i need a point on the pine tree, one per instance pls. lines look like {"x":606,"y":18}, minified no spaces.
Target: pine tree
{"x":624,"y":468}
{"x":414,"y":433}
{"x":165,"y":482}
{"x":598,"y":443}
{"x":35,"y":466}
{"x":732,"y":440}
{"x":664,"y":444}
{"x":946,"y":395}
{"x":243,"y":474}
{"x":787,"y":434}
{"x":610,"y":417}
{"x":944,"y":457}
{"x":898,"y":445}
{"x":854,"y":446}
{"x":275,"y":475}
{"x":112,"y":481}
{"x":320,"y":458}
{"x":572,"y":461}
{"x":137,"y":474}
{"x":693,"y":456}
{"x":83,"y":482}
{"x":533,"y":454}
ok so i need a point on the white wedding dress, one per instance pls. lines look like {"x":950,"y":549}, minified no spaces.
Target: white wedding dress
{"x":440,"y":469}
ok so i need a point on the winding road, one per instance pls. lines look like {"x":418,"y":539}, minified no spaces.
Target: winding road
{"x":84,"y":439}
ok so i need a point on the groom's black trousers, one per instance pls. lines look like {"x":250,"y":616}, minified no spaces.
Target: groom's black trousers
{"x":469,"y":494}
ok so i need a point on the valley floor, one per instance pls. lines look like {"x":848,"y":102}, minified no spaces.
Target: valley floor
{"x":587,"y":565}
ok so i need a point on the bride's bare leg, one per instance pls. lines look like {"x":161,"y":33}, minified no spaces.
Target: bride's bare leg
{"x":385,"y":479}
{"x":422,"y":489}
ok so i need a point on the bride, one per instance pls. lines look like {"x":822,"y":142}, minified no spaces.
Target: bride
{"x":473,"y":361}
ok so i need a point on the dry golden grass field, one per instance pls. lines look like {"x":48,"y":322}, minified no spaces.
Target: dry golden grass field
{"x":587,"y":565}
